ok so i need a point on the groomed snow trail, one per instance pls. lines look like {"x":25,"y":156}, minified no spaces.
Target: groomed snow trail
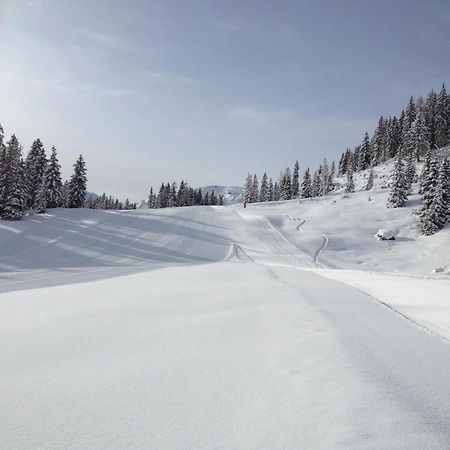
{"x":222,"y":340}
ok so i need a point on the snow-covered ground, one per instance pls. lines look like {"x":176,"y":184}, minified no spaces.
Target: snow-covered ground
{"x":284,"y":325}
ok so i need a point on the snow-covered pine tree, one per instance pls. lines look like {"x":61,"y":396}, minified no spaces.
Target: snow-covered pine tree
{"x":350,"y":186}
{"x":173,"y":197}
{"x":286,"y":190}
{"x":398,"y":194}
{"x":255,"y":189}
{"x":295,"y":181}
{"x":378,"y":142}
{"x":248,"y":188}
{"x":427,"y":216}
{"x":150,"y":198}
{"x":36,"y":163}
{"x":3,"y":173}
{"x":394,"y":138}
{"x":40,"y":202}
{"x":13,"y":186}
{"x":370,"y":180}
{"x":54,"y":194}
{"x":276,"y":191}
{"x":270,"y":192}
{"x":264,"y":189}
{"x":306,"y":187}
{"x":411,"y":176}
{"x":365,"y":154}
{"x":409,"y":117}
{"x":442,"y":119}
{"x":416,"y":140}
{"x":78,"y":184}
{"x":424,"y":176}
{"x":430,"y":117}
{"x":324,"y":178}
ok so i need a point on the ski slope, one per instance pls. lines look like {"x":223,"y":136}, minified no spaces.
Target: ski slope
{"x":283,"y":325}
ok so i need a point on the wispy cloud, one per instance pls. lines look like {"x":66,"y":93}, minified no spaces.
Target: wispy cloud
{"x":157,"y":77}
{"x":108,"y":41}
{"x":250,"y":114}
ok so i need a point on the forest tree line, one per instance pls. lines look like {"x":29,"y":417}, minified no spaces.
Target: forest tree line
{"x":34,"y":183}
{"x":171,"y":195}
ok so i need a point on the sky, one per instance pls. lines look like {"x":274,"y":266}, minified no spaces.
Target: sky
{"x":151,"y":91}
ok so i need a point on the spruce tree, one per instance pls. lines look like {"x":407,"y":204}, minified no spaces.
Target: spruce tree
{"x":411,"y":176}
{"x":442,"y":119}
{"x":295,"y":181}
{"x":365,"y":154}
{"x":248,"y":188}
{"x":369,"y":184}
{"x":306,"y":187}
{"x":264,"y":189}
{"x":430,"y":118}
{"x":40,"y":203}
{"x":350,"y":187}
{"x":36,"y":163}
{"x":78,"y":184}
{"x":378,"y":143}
{"x":270,"y":192}
{"x":255,"y":190}
{"x":286,"y":189}
{"x":416,"y":140}
{"x":54,"y":186}
{"x":13,"y":186}
{"x":398,"y":194}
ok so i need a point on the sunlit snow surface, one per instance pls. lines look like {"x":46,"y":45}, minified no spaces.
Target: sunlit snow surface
{"x":284,"y":325}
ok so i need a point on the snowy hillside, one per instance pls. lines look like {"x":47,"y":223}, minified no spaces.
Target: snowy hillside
{"x":231,"y":194}
{"x":263,"y":326}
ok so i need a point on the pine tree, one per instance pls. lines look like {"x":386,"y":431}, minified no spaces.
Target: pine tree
{"x":430,"y":118}
{"x":54,"y":186}
{"x":350,"y":187}
{"x":410,"y":116}
{"x":173,"y":197}
{"x":365,"y":154}
{"x":3,"y":170}
{"x":324,"y":178}
{"x":398,"y":194}
{"x":379,"y":142}
{"x":270,"y":192}
{"x":13,"y":187}
{"x":411,"y":176}
{"x":416,"y":140}
{"x":255,"y":190}
{"x":40,"y":203}
{"x":295,"y":181}
{"x":77,"y":184}
{"x":306,"y":188}
{"x":316,"y":184}
{"x":369,"y":184}
{"x":36,"y":163}
{"x":248,"y":188}
{"x":264,"y":189}
{"x":442,"y":119}
{"x":276,"y":192}
{"x":286,"y":189}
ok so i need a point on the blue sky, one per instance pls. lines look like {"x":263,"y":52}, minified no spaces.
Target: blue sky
{"x":152,"y":91}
